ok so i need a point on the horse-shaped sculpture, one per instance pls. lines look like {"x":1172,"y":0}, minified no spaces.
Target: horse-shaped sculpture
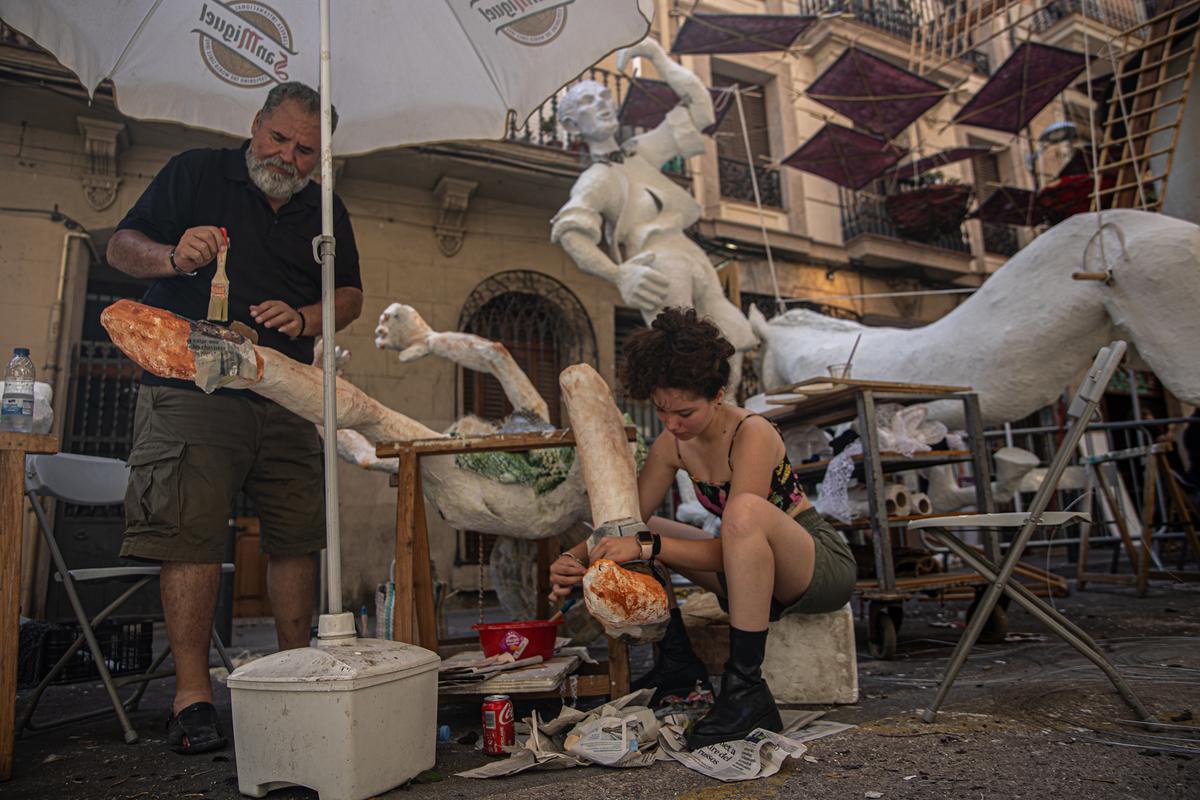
{"x":1031,"y":328}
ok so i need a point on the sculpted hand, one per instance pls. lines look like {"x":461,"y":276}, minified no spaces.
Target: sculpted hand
{"x":616,"y":548}
{"x":402,"y":328}
{"x":640,"y":285}
{"x":341,"y":356}
{"x":646,"y":48}
{"x":278,"y":314}
{"x":198,"y":246}
{"x":565,"y":574}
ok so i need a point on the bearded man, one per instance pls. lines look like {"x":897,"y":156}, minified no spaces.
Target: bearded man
{"x":192,"y":453}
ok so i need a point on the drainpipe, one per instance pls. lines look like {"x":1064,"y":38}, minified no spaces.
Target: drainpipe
{"x":52,"y":370}
{"x":35,"y":568}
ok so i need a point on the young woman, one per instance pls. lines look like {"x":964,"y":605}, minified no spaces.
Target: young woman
{"x":775,"y":554}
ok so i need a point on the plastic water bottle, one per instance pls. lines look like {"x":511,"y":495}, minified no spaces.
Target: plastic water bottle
{"x":16,"y":409}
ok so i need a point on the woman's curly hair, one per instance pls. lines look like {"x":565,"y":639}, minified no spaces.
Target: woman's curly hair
{"x":680,"y":350}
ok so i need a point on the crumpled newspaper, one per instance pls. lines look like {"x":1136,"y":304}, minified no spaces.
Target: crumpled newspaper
{"x":624,"y":733}
{"x":759,"y":755}
{"x":222,"y":356}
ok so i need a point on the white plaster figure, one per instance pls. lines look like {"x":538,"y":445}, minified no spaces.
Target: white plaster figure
{"x":642,"y":213}
{"x":167,"y":345}
{"x":402,"y":328}
{"x":1030,"y":329}
{"x":1012,"y":464}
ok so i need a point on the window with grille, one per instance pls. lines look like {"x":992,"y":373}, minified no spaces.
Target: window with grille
{"x":733,"y":167}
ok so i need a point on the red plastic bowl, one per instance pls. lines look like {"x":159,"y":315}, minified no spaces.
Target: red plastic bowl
{"x":534,"y":637}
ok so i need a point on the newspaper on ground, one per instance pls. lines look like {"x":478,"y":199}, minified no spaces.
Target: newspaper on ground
{"x":538,"y":751}
{"x":625,"y":733}
{"x":759,"y":755}
{"x":625,"y":741}
{"x":818,"y":730}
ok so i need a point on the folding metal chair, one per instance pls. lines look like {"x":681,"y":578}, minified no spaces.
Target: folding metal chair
{"x":91,"y":481}
{"x":1083,"y":407}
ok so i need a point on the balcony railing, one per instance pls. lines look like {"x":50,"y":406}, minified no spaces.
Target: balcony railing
{"x":1000,"y":240}
{"x":735,"y":181}
{"x":1118,"y":14}
{"x":893,"y":16}
{"x":863,"y":214}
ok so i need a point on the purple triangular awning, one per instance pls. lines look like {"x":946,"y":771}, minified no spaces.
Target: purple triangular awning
{"x":647,"y":102}
{"x":877,"y":95}
{"x":911,"y":169}
{"x":739,"y":33}
{"x":1033,"y":76}
{"x":848,"y":158}
{"x":1008,"y":205}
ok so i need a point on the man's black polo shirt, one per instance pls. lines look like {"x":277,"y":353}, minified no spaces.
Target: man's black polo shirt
{"x":270,"y":254}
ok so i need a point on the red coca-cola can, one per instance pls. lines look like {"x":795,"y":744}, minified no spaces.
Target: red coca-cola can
{"x":498,"y":730}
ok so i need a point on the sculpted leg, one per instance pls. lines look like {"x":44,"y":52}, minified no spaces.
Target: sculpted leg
{"x":173,"y":347}
{"x":402,"y":328}
{"x":624,"y":601}
{"x":608,"y":466}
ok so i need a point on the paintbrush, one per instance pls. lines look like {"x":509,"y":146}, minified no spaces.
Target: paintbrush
{"x":218,"y":294}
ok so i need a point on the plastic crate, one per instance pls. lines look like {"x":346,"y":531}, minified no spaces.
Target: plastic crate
{"x":128,"y":648}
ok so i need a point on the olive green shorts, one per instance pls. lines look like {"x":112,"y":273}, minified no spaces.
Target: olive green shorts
{"x":191,"y":455}
{"x":834,"y":571}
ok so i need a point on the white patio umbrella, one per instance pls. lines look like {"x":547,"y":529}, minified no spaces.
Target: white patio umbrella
{"x":407,"y":71}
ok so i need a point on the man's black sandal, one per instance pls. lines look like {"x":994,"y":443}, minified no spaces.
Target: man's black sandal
{"x":196,"y":729}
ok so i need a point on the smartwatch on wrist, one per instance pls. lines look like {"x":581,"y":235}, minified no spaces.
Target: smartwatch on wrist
{"x":651,"y":544}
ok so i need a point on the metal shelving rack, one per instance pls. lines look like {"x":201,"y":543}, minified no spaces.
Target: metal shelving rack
{"x":831,"y":401}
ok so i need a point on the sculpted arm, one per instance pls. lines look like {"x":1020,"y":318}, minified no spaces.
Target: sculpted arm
{"x":693,"y":94}
{"x":402,"y":328}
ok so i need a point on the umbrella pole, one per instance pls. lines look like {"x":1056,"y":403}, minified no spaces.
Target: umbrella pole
{"x":325,"y":249}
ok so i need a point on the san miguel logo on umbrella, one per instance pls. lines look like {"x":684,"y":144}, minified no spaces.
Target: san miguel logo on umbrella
{"x":528,"y":22}
{"x":244,"y":43}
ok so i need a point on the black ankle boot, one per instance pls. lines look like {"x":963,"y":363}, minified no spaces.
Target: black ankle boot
{"x":677,"y":668}
{"x":745,"y":701}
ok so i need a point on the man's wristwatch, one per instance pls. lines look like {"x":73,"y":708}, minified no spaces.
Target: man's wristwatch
{"x":650,"y":543}
{"x":175,"y":267}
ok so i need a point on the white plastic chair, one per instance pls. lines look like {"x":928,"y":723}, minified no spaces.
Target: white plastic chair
{"x":91,"y":481}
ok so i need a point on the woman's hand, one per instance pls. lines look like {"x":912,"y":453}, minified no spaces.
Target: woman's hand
{"x":617,"y":548}
{"x":566,"y":572}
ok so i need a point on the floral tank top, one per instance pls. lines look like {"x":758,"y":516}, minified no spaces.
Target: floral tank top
{"x":786,"y":490}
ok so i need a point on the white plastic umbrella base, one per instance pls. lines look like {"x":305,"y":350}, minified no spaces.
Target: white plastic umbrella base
{"x":350,"y":718}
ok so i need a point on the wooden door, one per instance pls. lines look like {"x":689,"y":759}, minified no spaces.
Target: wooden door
{"x":250,"y":572}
